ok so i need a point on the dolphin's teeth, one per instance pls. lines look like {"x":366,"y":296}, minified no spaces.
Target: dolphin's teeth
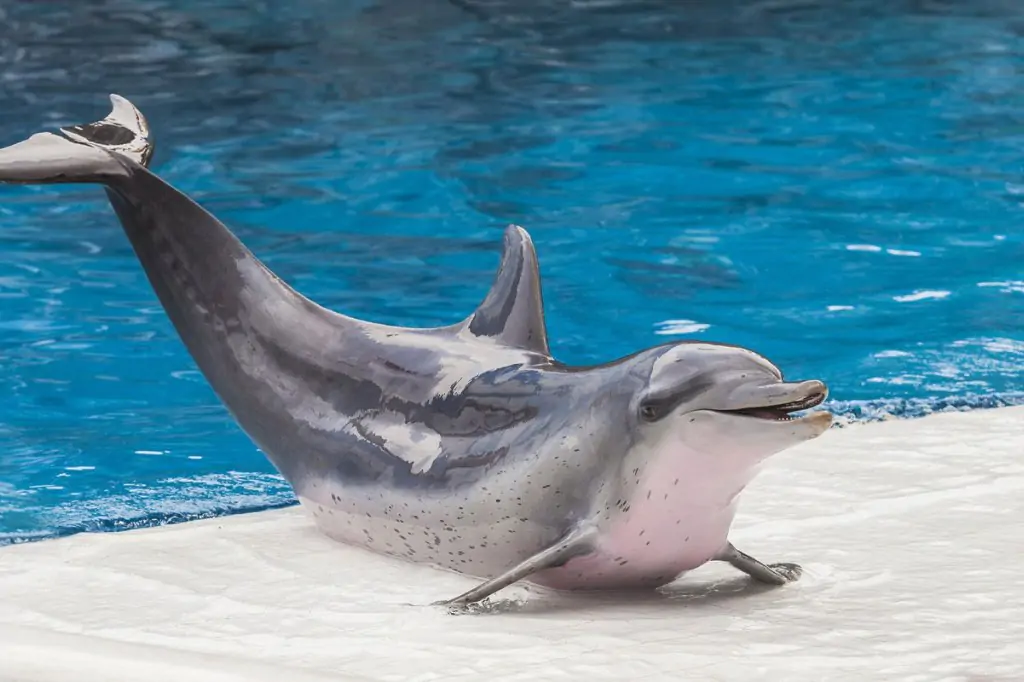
{"x":766,"y":413}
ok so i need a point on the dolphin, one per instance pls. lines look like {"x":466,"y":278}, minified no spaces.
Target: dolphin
{"x":466,"y":447}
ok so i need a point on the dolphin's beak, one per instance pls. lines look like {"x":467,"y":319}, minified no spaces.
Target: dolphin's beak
{"x":778,"y":401}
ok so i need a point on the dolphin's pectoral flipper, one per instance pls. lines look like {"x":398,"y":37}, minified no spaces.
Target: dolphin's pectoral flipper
{"x":772,"y":574}
{"x":576,"y":543}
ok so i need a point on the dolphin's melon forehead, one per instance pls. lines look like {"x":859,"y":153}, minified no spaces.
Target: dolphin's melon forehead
{"x":717,"y":354}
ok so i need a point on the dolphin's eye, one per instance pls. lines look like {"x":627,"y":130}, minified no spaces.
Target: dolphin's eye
{"x":649,"y":412}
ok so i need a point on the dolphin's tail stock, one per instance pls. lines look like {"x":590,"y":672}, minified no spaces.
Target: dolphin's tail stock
{"x":253,"y":337}
{"x":92,"y":152}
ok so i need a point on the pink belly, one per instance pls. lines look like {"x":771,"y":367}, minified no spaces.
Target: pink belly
{"x":677,"y":517}
{"x":648,"y":546}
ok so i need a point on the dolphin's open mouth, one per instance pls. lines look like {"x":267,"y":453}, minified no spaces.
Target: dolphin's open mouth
{"x":784,"y":411}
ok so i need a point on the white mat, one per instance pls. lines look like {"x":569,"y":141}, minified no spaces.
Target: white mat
{"x":911,"y":534}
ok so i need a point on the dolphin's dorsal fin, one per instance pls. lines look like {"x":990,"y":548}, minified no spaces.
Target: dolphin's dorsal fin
{"x":513,"y":311}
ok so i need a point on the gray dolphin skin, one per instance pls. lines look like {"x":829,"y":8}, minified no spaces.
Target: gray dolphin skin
{"x":465,"y":447}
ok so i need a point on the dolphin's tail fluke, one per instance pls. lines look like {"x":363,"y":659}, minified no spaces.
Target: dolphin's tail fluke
{"x":91,"y":152}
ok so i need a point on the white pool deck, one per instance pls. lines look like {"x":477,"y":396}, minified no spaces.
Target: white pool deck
{"x":911,"y":534}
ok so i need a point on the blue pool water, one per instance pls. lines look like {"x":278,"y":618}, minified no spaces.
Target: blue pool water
{"x":837,"y":185}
